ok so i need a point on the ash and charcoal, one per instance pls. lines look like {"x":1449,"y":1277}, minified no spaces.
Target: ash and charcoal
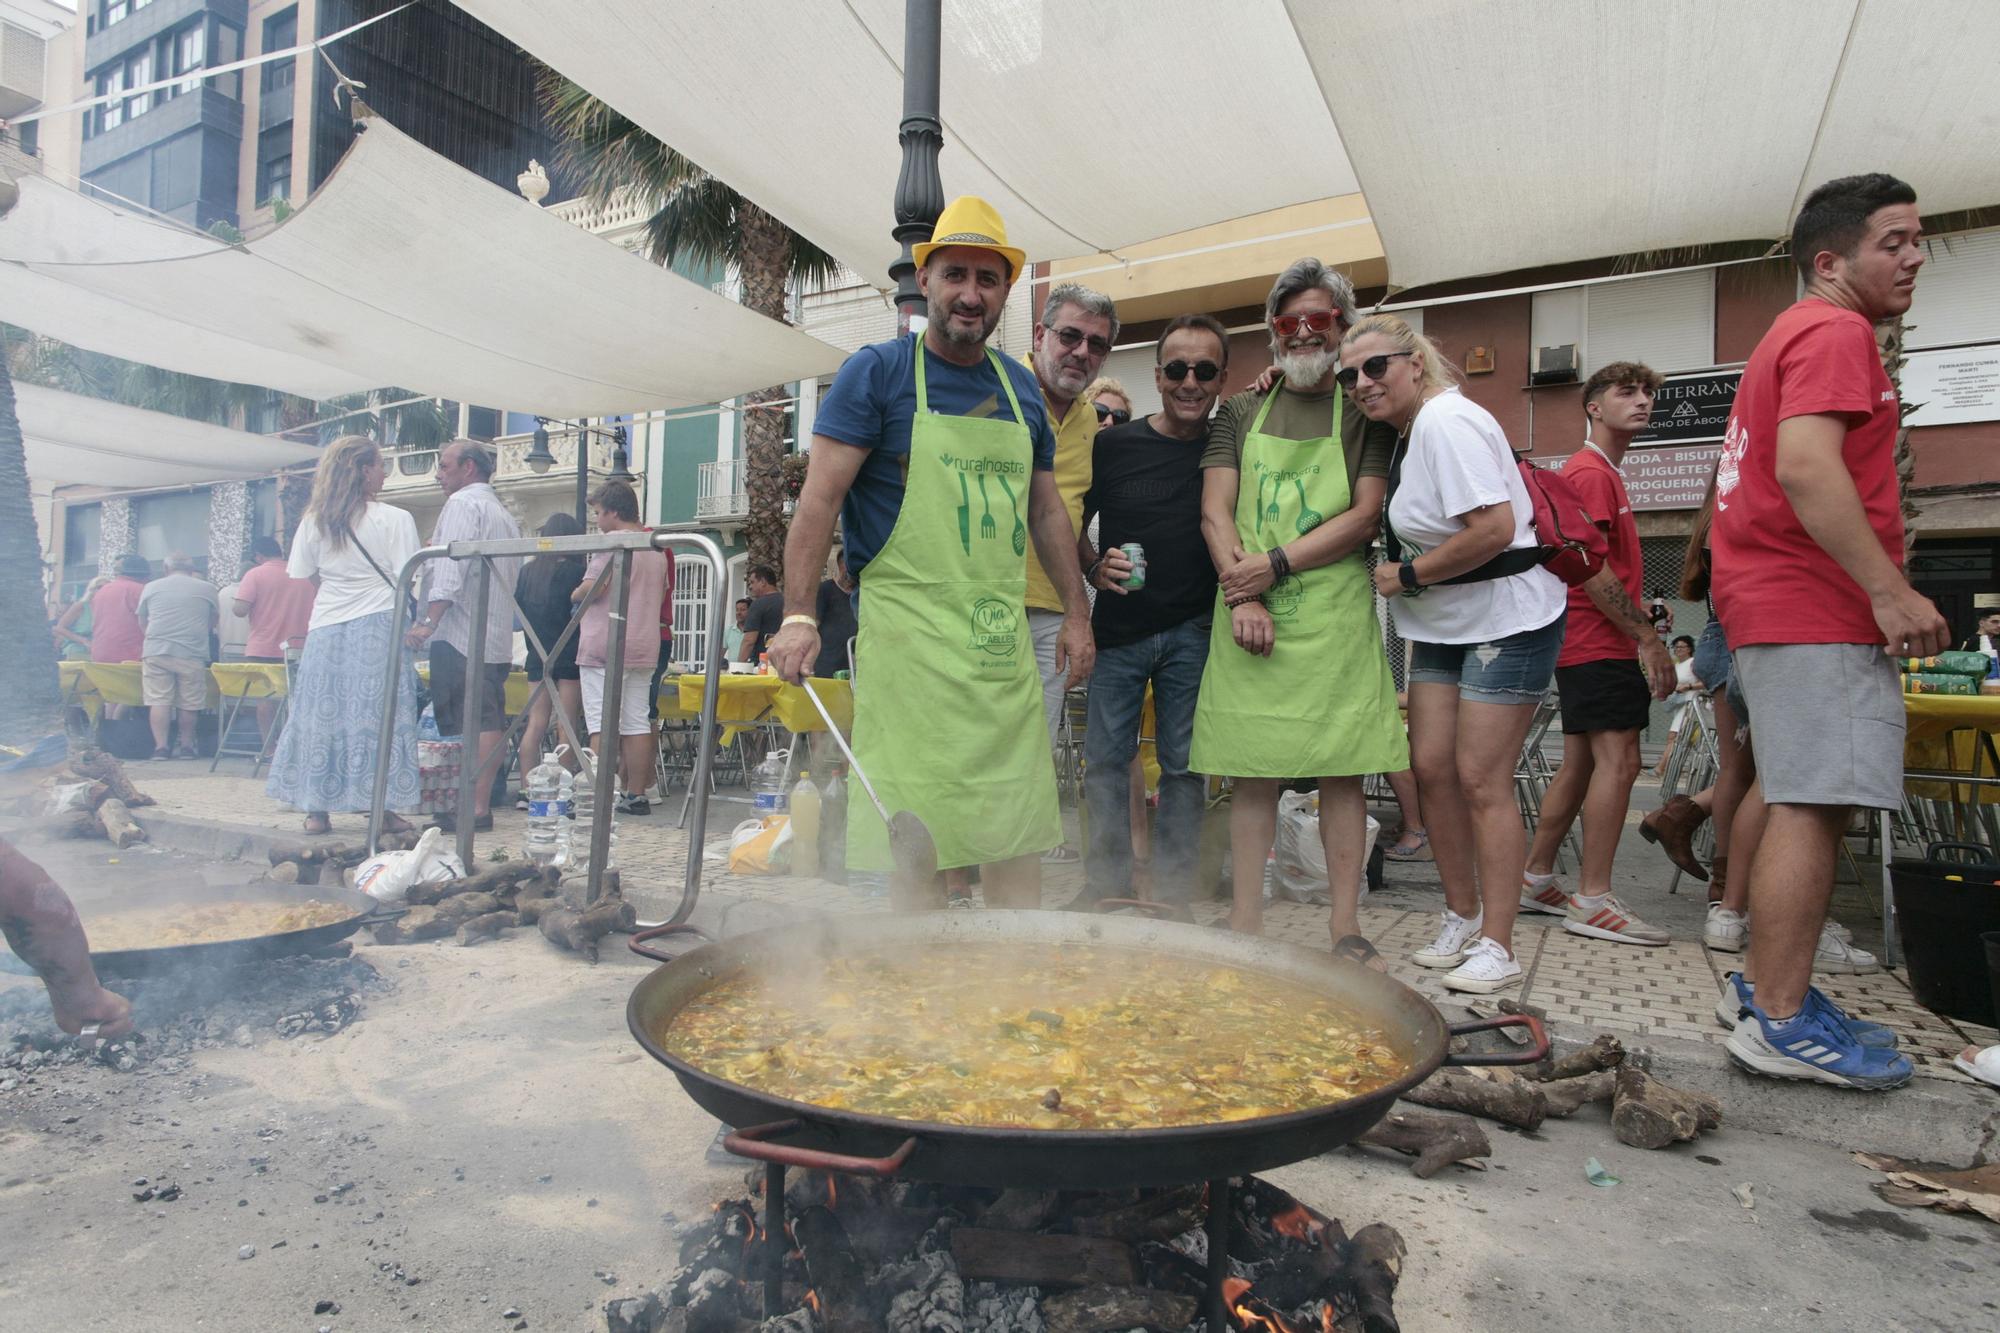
{"x":903,"y":1257}
{"x":191,"y":1009}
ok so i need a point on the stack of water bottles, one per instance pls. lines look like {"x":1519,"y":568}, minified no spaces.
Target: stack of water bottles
{"x":585,"y":807}
{"x":550,"y":793}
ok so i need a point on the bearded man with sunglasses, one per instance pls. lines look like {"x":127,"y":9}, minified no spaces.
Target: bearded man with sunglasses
{"x":1297,"y":684}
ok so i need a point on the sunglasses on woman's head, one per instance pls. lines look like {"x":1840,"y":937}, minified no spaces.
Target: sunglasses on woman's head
{"x":1375,"y":366}
{"x":1287,"y":326}
{"x":1117,"y":416}
{"x":1178,"y":370}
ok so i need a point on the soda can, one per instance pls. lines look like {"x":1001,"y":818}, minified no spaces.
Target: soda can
{"x":1137,"y":555}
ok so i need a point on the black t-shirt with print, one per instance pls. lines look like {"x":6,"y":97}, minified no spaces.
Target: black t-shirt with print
{"x":1146,"y":487}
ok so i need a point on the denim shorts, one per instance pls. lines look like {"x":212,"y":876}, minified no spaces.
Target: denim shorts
{"x":1714,"y":668}
{"x":1513,"y":670}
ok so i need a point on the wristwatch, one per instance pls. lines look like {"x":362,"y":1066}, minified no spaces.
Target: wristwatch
{"x":1407,"y":573}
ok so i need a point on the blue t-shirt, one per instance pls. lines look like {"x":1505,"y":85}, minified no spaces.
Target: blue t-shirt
{"x":870,"y":406}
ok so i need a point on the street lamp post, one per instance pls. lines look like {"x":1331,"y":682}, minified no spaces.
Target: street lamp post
{"x":919,"y":187}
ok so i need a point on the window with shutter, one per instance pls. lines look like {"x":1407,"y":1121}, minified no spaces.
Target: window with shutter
{"x":1958,"y":292}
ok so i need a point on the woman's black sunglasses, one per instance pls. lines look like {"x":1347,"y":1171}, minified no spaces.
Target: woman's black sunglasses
{"x":1178,"y":370}
{"x":1376,"y":366}
{"x":1117,"y":416}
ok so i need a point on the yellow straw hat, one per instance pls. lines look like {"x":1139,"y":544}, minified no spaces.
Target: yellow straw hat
{"x":970,"y":220}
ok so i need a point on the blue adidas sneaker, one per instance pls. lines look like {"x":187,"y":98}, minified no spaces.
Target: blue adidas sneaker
{"x":1736,"y":996}
{"x":1814,"y":1045}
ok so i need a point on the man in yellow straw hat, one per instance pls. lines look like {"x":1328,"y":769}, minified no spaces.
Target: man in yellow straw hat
{"x":936,"y":452}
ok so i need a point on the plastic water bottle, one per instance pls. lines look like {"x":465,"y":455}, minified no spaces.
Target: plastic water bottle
{"x":805,"y":827}
{"x":833,"y":828}
{"x":549,"y":796}
{"x":584,"y":807}
{"x":767,"y":784}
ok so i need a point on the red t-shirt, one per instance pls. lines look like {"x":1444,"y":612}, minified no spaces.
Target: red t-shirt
{"x":281,"y":608}
{"x":115,"y":632}
{"x":1773,"y":583}
{"x":1589,"y":635}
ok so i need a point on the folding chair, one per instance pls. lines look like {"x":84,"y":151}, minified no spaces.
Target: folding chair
{"x":248,"y":682}
{"x":1534,"y":773}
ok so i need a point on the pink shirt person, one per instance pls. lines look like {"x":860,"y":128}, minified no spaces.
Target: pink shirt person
{"x":279,"y":608}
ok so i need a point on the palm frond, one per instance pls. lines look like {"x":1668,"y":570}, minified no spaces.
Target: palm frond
{"x":696,"y":223}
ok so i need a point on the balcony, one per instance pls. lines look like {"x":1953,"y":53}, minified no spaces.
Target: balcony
{"x":721,"y":495}
{"x":415,"y":469}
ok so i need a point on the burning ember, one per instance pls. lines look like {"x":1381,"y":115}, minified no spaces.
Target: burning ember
{"x":874,"y":1256}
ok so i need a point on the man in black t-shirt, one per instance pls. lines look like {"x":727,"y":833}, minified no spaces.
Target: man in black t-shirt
{"x":767,"y":612}
{"x":1146,"y":488}
{"x":834,"y":606}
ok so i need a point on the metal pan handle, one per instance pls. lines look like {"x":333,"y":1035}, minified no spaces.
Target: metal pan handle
{"x":1534,"y":1054}
{"x":638,"y":941}
{"x":751,"y":1142}
{"x":1142,"y":904}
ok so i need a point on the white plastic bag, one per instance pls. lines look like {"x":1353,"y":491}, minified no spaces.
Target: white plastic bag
{"x":388,"y":877}
{"x":761,"y":846}
{"x":1298,"y":862}
{"x":67,"y":796}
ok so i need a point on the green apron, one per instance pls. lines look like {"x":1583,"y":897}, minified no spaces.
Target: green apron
{"x":1323,"y":704}
{"x":947,"y":696}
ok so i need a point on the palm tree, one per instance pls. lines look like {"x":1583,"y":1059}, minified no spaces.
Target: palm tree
{"x":31,"y":707}
{"x":695,"y":217}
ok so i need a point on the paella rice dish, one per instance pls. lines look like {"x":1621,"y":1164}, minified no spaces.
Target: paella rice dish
{"x":168,"y":924}
{"x":1036,"y":1036}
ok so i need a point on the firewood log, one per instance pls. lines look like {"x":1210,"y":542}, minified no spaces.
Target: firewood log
{"x":119,"y":826}
{"x":1646,"y":1113}
{"x":579,"y":931}
{"x":464,"y":906}
{"x":1373,"y":1263}
{"x":1606,"y":1052}
{"x":419,"y":923}
{"x":104,"y":768}
{"x":484,"y":927}
{"x":529,"y":906}
{"x":1436,"y":1140}
{"x":1521,"y":1105}
{"x":76,"y":824}
{"x":1566,"y":1096}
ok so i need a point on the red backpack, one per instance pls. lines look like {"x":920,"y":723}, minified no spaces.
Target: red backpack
{"x":1567,"y":543}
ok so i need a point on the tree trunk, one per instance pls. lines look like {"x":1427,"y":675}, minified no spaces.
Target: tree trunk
{"x":31,"y":706}
{"x":765,"y":271}
{"x":1889,"y":339}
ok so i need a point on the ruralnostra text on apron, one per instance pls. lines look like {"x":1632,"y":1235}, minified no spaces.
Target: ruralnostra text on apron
{"x":947,"y":696}
{"x":1323,"y":704}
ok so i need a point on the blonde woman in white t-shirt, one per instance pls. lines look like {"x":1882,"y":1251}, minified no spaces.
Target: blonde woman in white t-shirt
{"x":353,"y":545}
{"x":1482,"y":652}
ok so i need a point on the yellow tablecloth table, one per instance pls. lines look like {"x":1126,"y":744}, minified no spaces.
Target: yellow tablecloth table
{"x":120,"y":683}
{"x":1952,"y":733}
{"x":249,"y":680}
{"x":746,"y":700}
{"x":77,"y":689}
{"x":519,"y":687}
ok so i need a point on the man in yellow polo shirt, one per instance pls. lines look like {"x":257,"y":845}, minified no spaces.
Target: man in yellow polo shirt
{"x":1076,"y":331}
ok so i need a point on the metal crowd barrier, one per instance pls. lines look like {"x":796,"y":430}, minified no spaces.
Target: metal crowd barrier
{"x":603,"y":775}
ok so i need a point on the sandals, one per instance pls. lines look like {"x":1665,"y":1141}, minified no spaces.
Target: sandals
{"x":323,"y":823}
{"x":1357,"y":949}
{"x":1399,"y":850}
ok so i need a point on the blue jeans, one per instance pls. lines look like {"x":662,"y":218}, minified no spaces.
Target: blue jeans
{"x":1172,"y":660}
{"x":1512,"y":670}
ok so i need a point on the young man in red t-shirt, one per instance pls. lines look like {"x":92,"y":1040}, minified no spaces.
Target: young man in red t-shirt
{"x":1612,"y":666}
{"x":1808,"y":547}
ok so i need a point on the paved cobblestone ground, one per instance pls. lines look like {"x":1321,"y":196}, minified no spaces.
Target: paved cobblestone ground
{"x":1664,"y":992}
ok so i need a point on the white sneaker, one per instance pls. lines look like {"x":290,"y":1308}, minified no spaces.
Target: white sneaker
{"x":1448,"y":949}
{"x":1846,"y":936}
{"x":1725,"y":930}
{"x":1544,"y":895}
{"x":1486,"y":969}
{"x":1836,"y":955}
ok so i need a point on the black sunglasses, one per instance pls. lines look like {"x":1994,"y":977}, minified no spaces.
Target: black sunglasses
{"x":1071,"y":337}
{"x":1376,"y":366}
{"x":1117,"y":416}
{"x":1178,"y":370}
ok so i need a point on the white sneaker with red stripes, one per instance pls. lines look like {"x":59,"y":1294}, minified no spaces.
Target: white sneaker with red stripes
{"x":1608,"y":919}
{"x":1544,"y":893}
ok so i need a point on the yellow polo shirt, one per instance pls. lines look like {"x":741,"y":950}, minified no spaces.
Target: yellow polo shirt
{"x":1076,"y":436}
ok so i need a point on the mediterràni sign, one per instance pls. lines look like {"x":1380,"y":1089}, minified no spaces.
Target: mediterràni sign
{"x":1691,"y":408}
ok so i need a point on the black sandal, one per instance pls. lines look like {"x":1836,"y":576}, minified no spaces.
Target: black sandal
{"x":1357,"y":949}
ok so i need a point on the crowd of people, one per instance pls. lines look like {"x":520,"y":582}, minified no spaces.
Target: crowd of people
{"x":1252,"y":624}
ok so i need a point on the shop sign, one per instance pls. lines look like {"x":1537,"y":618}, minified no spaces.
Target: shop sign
{"x":1951,"y":387}
{"x":1690,"y":408}
{"x":1671,"y":477}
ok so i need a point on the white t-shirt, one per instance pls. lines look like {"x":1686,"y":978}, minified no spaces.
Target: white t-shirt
{"x":1459,"y":461}
{"x":349,"y":587}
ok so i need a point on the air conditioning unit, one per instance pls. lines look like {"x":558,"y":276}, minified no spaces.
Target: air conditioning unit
{"x":22,"y":58}
{"x":1555,"y":365}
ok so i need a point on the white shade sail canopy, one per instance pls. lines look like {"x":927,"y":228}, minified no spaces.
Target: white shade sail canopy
{"x":1485,"y":137}
{"x":74,"y":440}
{"x":1089,"y":125}
{"x":402,"y":270}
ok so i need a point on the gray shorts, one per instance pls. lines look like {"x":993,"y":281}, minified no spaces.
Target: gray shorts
{"x":1046,"y":627}
{"x":1829,"y":723}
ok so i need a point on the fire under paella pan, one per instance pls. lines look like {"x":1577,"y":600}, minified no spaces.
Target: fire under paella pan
{"x":800,"y":1130}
